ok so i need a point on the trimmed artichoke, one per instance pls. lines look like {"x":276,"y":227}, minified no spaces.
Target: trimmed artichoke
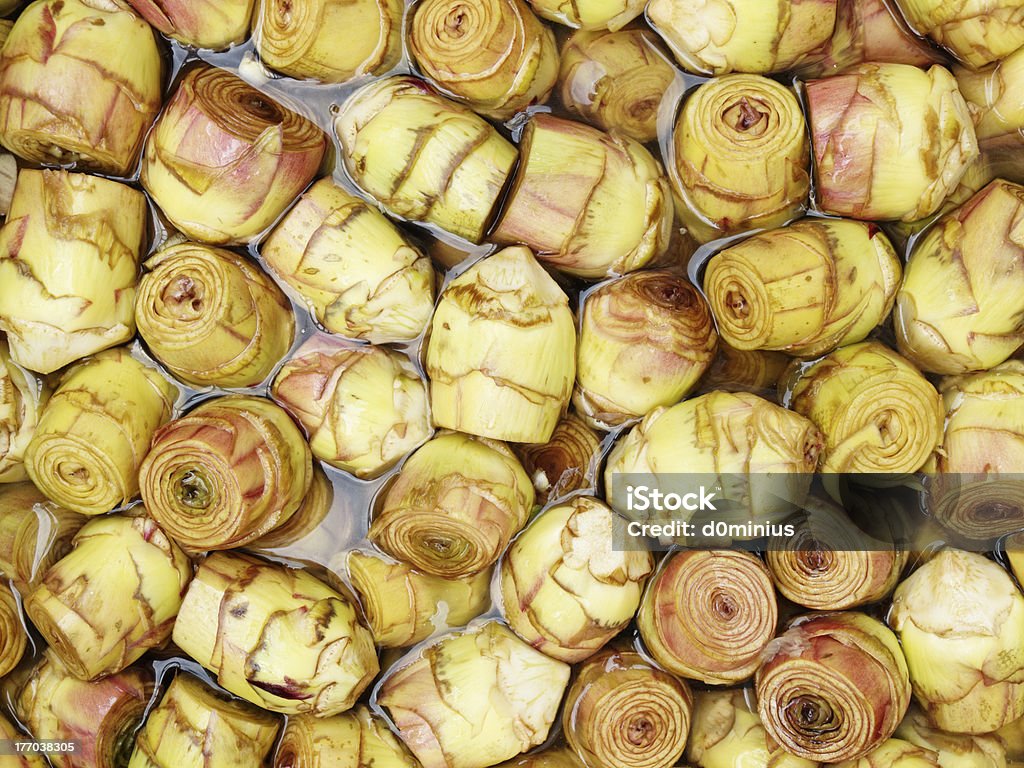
{"x":213,"y":24}
{"x":741,"y":157}
{"x":94,"y":432}
{"x":423,"y":157}
{"x":722,"y":435}
{"x":567,"y":462}
{"x":113,"y":597}
{"x":645,"y":341}
{"x":983,"y":437}
{"x":895,"y":753}
{"x":977,"y":32}
{"x":195,"y":727}
{"x":829,"y":564}
{"x":960,"y":619}
{"x":995,"y":98}
{"x":27,"y":760}
{"x":101,"y":716}
{"x":572,"y":183}
{"x":275,"y":636}
{"x":69,"y":255}
{"x":493,"y":55}
{"x":589,"y":14}
{"x":454,"y":506}
{"x":564,"y":588}
{"x":616,"y":80}
{"x":403,"y":606}
{"x":736,"y":370}
{"x":714,"y":38}
{"x":212,"y":317}
{"x":727,"y":733}
{"x":225,"y":474}
{"x":833,"y":686}
{"x":34,"y":533}
{"x":957,"y":750}
{"x":876,"y":411}
{"x":708,"y":615}
{"x":868,"y":30}
{"x":301,"y":535}
{"x":330,"y":41}
{"x":22,"y":399}
{"x":363,"y":407}
{"x":623,"y":711}
{"x":474,"y":698}
{"x":961,"y":305}
{"x":501,"y":353}
{"x":356,"y":739}
{"x":224,"y":160}
{"x":13,"y":636}
{"x":60,"y":50}
{"x":353,"y":268}
{"x":891,"y":141}
{"x":805,"y":289}
{"x":551,"y":757}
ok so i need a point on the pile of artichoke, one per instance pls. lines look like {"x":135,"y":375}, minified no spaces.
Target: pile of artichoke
{"x":330,"y":328}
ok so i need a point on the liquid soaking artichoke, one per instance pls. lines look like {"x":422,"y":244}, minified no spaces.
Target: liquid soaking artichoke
{"x":727,"y":733}
{"x":645,"y":341}
{"x":212,"y":317}
{"x":494,"y":55}
{"x":112,"y":598}
{"x":891,"y":141}
{"x":13,"y":637}
{"x":363,"y":407}
{"x":330,"y":41}
{"x":101,"y":716}
{"x":303,"y":531}
{"x":474,"y":698}
{"x":976,"y":31}
{"x":714,"y":37}
{"x":69,"y":255}
{"x":565,"y":588}
{"x":983,"y":438}
{"x":708,"y":615}
{"x":833,"y":687}
{"x":994,"y":95}
{"x":960,"y":619}
{"x":454,"y":506}
{"x":34,"y":533}
{"x":355,"y":739}
{"x":501,"y":353}
{"x":199,"y":23}
{"x":352,"y":266}
{"x":60,"y":50}
{"x":616,"y":80}
{"x":589,"y":14}
{"x":567,"y":462}
{"x":225,"y":474}
{"x":961,"y":305}
{"x":93,"y":434}
{"x":27,"y":760}
{"x":22,"y":398}
{"x":403,"y":606}
{"x":224,"y":161}
{"x":572,"y":182}
{"x":741,"y":157}
{"x":621,"y":710}
{"x":868,"y":30}
{"x":876,"y":411}
{"x":275,"y":636}
{"x":761,"y":453}
{"x":805,"y":289}
{"x":195,"y":727}
{"x":423,"y":157}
